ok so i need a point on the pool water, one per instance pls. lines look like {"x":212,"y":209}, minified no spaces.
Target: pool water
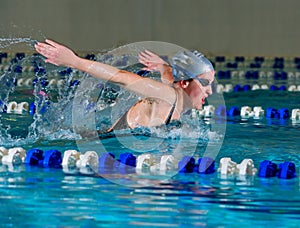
{"x":36,"y":196}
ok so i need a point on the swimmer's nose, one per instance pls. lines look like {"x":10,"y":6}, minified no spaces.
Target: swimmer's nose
{"x":209,"y":91}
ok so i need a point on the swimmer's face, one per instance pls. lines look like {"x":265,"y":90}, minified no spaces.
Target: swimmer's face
{"x":200,"y":89}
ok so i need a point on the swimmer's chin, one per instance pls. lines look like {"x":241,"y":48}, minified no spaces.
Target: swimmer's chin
{"x":198,"y":106}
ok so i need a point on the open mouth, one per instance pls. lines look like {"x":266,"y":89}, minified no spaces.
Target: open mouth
{"x":203,"y":101}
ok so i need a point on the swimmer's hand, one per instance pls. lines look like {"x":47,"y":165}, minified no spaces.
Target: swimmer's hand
{"x":56,"y":54}
{"x":151,"y":61}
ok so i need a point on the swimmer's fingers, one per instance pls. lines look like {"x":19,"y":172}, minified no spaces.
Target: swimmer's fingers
{"x":47,"y":51}
{"x":143,"y":58}
{"x":55,"y":53}
{"x":144,"y":61}
{"x":148,"y":56}
{"x":48,"y":44}
{"x":152,"y":67}
{"x":155,"y":58}
{"x":147,"y":69}
{"x":150,"y":64}
{"x":52,"y":43}
{"x":151,"y":54}
{"x":44,"y":48}
{"x":151,"y":61}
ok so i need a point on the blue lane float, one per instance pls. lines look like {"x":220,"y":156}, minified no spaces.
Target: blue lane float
{"x":206,"y":165}
{"x":20,"y":55}
{"x":221,"y":111}
{"x":127,"y":163}
{"x":285,"y":170}
{"x":65,"y":72}
{"x":52,"y":158}
{"x":224,"y":74}
{"x":237,"y":88}
{"x":233,"y":111}
{"x":186,"y":164}
{"x":74,"y":83}
{"x":280,"y":88}
{"x":106,"y":160}
{"x":267,"y":169}
{"x":246,"y":87}
{"x":107,"y":163}
{"x":252,"y":74}
{"x":280,"y":75}
{"x":90,"y":57}
{"x":43,"y":109}
{"x":272,"y":113}
{"x":34,"y":157}
{"x":282,"y":113}
{"x":240,"y":59}
{"x":42,"y":81}
{"x":39,"y":71}
{"x":18,"y":69}
{"x":3,"y":107}
{"x":128,"y":159}
{"x":32,"y":108}
{"x":49,"y":158}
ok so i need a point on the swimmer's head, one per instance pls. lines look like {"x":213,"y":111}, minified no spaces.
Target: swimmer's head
{"x":188,"y":65}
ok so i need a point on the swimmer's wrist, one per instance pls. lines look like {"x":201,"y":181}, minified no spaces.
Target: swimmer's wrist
{"x":166,"y":68}
{"x":77,"y":63}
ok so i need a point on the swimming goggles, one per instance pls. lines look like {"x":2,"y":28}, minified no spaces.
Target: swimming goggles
{"x":203,"y":81}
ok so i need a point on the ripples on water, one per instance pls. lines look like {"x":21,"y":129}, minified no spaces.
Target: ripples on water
{"x":186,"y":199}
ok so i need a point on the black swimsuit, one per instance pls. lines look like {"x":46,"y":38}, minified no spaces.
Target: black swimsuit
{"x":122,"y":123}
{"x":168,"y":120}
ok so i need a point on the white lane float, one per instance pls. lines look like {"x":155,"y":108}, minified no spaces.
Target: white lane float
{"x":18,"y":108}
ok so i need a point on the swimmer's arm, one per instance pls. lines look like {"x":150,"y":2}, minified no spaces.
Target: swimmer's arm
{"x":62,"y":56}
{"x":145,"y":87}
{"x":154,"y":62}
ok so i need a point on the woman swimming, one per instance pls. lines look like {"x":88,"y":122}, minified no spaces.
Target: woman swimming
{"x":187,"y":87}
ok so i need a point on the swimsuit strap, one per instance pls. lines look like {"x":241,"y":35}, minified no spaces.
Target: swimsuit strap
{"x":168,"y":120}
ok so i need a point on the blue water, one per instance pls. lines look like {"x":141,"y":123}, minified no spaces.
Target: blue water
{"x":32,"y":196}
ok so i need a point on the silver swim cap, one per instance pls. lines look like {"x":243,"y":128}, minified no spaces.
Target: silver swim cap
{"x":188,"y":65}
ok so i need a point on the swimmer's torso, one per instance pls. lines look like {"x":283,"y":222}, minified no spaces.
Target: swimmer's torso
{"x":147,"y":112}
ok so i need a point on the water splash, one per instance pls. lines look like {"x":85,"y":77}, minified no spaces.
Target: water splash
{"x":9,"y":42}
{"x":104,"y":102}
